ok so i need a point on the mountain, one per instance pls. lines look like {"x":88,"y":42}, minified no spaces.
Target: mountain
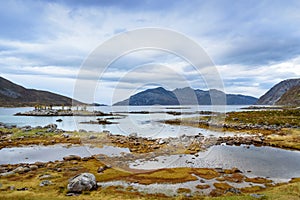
{"x":157,"y":96}
{"x":291,"y":97}
{"x":185,"y":96}
{"x":273,"y":96}
{"x":15,"y":95}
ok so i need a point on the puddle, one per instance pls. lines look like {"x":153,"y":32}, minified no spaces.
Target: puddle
{"x":31,"y":154}
{"x":171,"y":189}
{"x":278,"y":164}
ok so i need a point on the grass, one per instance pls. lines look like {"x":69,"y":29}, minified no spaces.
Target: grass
{"x":289,"y":191}
{"x":268,"y":117}
{"x":290,"y":139}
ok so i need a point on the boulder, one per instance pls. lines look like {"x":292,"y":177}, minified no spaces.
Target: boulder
{"x":82,"y":182}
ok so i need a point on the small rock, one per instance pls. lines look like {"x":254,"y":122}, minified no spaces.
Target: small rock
{"x":132,"y":135}
{"x":21,"y":170}
{"x":33,"y":167}
{"x":58,"y":131}
{"x":236,"y":170}
{"x":45,"y":183}
{"x":12,"y":188}
{"x":85,"y":158}
{"x":65,"y":135}
{"x":22,"y":189}
{"x":161,"y":142}
{"x":2,"y":170}
{"x":70,"y":194}
{"x":82,"y":182}
{"x":188,"y":195}
{"x":40,"y":133}
{"x":101,"y":169}
{"x":72,"y":157}
{"x":233,"y":190}
{"x":91,"y":137}
{"x":51,"y":126}
{"x":82,"y":131}
{"x":26,"y":128}
{"x":257,"y":196}
{"x":99,"y":184}
{"x":59,"y":120}
{"x":74,"y":162}
{"x":39,"y":164}
{"x":46,"y":176}
{"x":7,"y":173}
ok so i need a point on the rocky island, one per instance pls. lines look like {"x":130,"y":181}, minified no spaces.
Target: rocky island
{"x":62,"y":112}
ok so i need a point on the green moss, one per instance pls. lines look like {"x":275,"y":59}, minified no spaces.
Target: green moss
{"x":222,"y":186}
{"x":258,"y":180}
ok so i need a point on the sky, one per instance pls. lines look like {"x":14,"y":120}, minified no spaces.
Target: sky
{"x":252,"y":44}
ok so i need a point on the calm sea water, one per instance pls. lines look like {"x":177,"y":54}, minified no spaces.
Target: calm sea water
{"x":143,"y":124}
{"x":254,"y":161}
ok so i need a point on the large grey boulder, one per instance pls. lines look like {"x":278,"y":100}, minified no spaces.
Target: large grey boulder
{"x":82,"y":182}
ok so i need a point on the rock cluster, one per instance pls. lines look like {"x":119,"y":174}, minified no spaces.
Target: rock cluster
{"x":8,"y":170}
{"x":134,"y":143}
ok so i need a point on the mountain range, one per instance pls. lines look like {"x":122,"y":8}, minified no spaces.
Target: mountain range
{"x":185,"y":96}
{"x":286,"y":92}
{"x":15,"y":95}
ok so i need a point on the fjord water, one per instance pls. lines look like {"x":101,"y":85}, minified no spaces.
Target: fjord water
{"x":145,"y":125}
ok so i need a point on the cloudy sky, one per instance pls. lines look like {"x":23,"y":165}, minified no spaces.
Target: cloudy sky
{"x":253,"y":44}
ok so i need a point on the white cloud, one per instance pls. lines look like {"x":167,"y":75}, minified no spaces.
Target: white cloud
{"x":253,"y":49}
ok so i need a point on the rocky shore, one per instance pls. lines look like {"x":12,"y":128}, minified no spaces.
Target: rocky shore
{"x":54,"y":112}
{"x":190,"y":144}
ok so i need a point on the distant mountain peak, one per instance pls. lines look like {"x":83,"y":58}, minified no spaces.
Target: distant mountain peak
{"x":185,"y":96}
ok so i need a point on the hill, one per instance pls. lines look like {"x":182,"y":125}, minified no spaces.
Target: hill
{"x":184,"y":96}
{"x":291,"y":97}
{"x":13,"y":95}
{"x":274,"y":95}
